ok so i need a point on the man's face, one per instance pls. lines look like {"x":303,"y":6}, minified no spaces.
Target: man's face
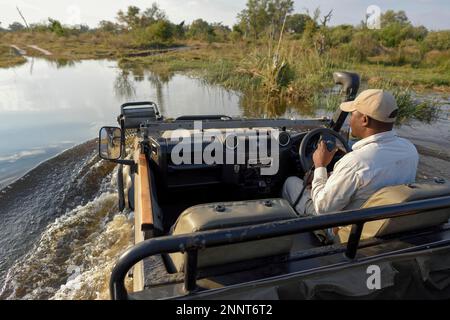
{"x":357,"y":123}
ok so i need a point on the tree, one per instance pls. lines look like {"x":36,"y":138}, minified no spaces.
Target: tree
{"x":237,"y":33}
{"x":392,"y":17}
{"x":326,"y":18}
{"x":154,"y":13}
{"x":108,"y":26}
{"x":160,"y":31}
{"x":201,"y":30}
{"x":79,"y":28}
{"x":264,"y":15}
{"x":278,"y":11}
{"x":56,"y":27}
{"x":131,"y":19}
{"x":221,"y":32}
{"x":296,"y":23}
{"x":39,"y":27}
{"x":16,"y":26}
{"x":397,"y":28}
{"x":134,"y":18}
{"x":180,"y":30}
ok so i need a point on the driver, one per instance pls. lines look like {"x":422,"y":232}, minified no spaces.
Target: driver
{"x":380,"y":159}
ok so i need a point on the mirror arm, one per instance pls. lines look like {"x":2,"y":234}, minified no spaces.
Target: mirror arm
{"x":130,"y":163}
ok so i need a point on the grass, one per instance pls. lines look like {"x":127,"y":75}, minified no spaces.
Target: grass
{"x":294,"y":76}
{"x":85,"y":46}
{"x":235,"y":65}
{"x":9,"y":58}
{"x":411,"y":108}
{"x":417,"y":78}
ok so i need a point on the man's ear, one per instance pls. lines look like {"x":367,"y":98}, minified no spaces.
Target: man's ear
{"x":365,"y":121}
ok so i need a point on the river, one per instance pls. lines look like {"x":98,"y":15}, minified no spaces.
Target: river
{"x":61,"y":231}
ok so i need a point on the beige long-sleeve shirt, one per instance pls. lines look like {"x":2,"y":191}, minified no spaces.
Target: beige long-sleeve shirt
{"x":376,"y":162}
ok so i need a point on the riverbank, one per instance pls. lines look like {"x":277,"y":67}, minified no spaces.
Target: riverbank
{"x":75,"y":48}
{"x":238,"y":65}
{"x":235,"y":64}
{"x":294,"y":75}
{"x":9,"y":58}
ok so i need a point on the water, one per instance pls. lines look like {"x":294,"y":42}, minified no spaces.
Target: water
{"x":47,"y":107}
{"x":61,"y":231}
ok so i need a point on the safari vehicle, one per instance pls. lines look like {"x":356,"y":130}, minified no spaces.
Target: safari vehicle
{"x":223,"y":232}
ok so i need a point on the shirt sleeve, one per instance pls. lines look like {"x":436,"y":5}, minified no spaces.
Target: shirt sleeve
{"x":333,"y":194}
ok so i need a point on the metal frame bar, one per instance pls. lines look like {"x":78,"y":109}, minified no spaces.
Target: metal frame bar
{"x":157,"y":126}
{"x":215,"y":238}
{"x":190,"y":270}
{"x":353,"y":240}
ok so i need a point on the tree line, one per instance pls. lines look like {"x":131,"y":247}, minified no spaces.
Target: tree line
{"x":262,"y":20}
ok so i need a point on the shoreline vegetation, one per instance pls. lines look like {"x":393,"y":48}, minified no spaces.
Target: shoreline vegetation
{"x":279,"y":56}
{"x":9,"y":58}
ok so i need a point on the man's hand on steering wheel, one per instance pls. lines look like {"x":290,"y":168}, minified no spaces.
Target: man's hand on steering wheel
{"x":322,"y":157}
{"x":311,"y":155}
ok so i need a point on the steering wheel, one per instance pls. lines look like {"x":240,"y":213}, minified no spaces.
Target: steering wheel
{"x":311,"y":141}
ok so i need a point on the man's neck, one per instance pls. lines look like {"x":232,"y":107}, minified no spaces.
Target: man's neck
{"x":371,"y":132}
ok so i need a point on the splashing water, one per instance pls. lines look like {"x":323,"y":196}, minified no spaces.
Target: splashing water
{"x":77,"y":251}
{"x":74,"y":253}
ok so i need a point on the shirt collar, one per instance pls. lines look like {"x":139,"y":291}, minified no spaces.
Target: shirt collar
{"x":380,"y":137}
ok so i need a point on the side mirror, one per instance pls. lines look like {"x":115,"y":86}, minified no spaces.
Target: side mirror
{"x":110,"y":143}
{"x":350,"y":83}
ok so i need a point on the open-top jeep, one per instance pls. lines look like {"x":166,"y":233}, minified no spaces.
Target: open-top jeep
{"x":223,"y":231}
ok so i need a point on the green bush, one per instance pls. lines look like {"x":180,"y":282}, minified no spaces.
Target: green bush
{"x":156,"y":34}
{"x":410,"y":108}
{"x":395,"y":33}
{"x":438,"y":40}
{"x":341,"y":34}
{"x":160,"y":31}
{"x":439,"y":59}
{"x":201,"y":30}
{"x":362,"y":46}
{"x":56,"y":27}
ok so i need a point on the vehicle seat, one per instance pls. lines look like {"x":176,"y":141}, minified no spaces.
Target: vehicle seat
{"x":398,"y":195}
{"x":229,"y":215}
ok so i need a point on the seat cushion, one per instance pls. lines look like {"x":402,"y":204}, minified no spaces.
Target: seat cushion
{"x":229,"y":215}
{"x":403,"y":194}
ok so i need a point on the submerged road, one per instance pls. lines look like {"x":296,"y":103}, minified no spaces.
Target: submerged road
{"x":43,"y":51}
{"x":18,"y":50}
{"x":22,"y":52}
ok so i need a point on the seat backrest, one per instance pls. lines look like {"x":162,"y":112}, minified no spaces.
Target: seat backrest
{"x":218,"y":216}
{"x":403,"y":194}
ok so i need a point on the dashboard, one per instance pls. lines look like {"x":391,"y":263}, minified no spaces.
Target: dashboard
{"x":256,"y":160}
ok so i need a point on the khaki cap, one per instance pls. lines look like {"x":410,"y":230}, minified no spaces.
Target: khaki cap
{"x":377,"y":104}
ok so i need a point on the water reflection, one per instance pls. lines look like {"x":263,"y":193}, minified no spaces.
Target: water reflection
{"x":124,"y":86}
{"x":46,"y":104}
{"x":254,"y":106}
{"x":64,"y":63}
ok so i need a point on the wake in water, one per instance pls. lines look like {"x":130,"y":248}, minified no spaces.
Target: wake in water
{"x":75,"y":255}
{"x":72,"y":257}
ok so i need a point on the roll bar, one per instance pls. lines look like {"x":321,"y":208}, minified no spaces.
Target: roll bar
{"x":208,"y":239}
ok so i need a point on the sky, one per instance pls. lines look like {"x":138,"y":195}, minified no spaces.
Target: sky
{"x":434,"y":14}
